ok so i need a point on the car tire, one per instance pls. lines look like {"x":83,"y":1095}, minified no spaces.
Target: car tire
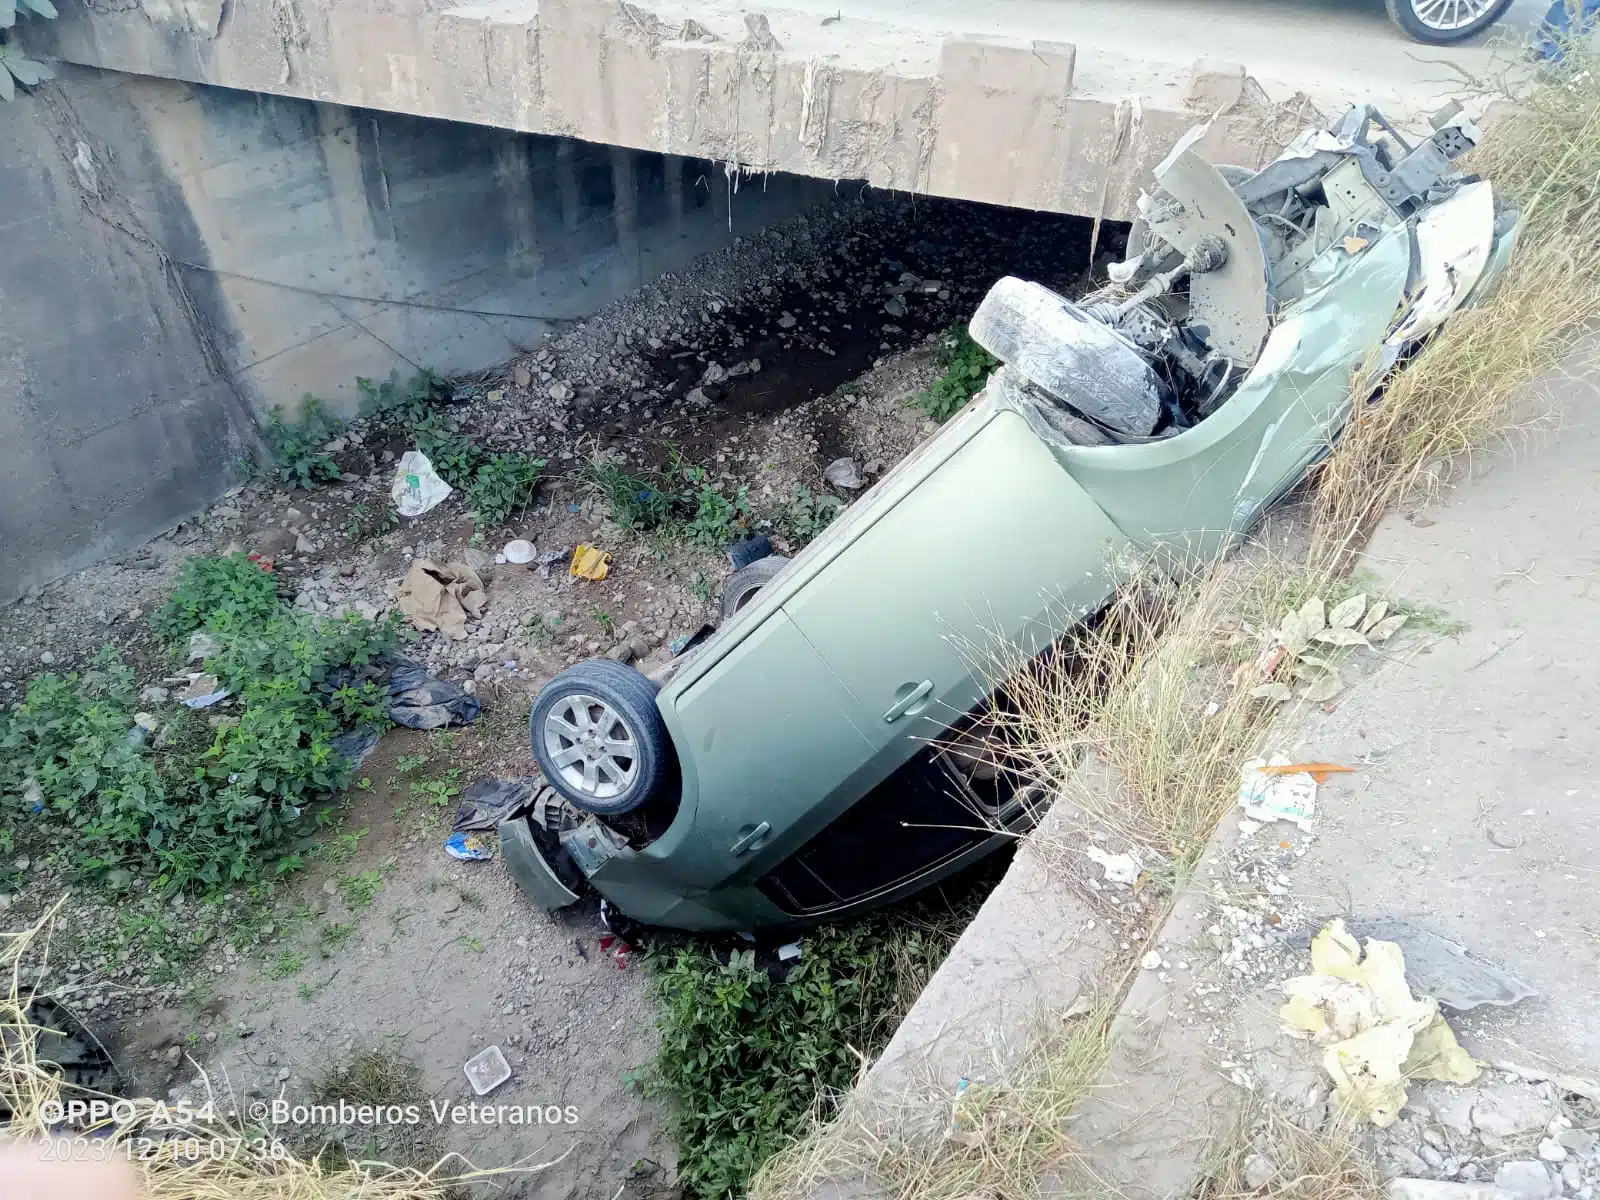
{"x":574,"y":728}
{"x":1404,"y":14}
{"x":747,"y":581}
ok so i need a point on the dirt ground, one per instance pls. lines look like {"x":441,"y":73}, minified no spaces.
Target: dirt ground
{"x":387,"y":942}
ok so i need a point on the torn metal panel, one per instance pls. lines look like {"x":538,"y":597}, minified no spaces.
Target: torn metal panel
{"x":1229,"y":304}
{"x":1454,"y":240}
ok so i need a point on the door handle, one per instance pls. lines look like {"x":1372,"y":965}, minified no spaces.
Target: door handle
{"x":908,"y":699}
{"x":750,"y":838}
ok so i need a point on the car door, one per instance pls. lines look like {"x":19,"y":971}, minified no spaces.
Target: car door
{"x":997,"y":549}
{"x":760,"y":737}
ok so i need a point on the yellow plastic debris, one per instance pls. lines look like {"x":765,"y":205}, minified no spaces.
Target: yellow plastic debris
{"x":590,"y":562}
{"x":1377,"y":1034}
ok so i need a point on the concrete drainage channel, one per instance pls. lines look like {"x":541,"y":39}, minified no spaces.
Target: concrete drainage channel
{"x":385,"y":965}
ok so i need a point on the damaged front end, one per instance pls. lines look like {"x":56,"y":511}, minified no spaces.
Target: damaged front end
{"x":1220,"y":358}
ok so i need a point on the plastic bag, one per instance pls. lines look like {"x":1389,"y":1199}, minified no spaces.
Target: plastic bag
{"x":417,"y":487}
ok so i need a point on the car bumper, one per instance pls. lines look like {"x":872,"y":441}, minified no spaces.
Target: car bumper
{"x":534,"y":873}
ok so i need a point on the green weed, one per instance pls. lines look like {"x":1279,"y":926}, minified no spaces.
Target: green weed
{"x":806,"y":514}
{"x":342,"y":848}
{"x":231,"y":587}
{"x":502,"y":484}
{"x":408,"y":763}
{"x":361,"y":890}
{"x":296,"y":448}
{"x":636,"y":502}
{"x":287,"y":963}
{"x":746,"y":1059}
{"x":967,"y":366}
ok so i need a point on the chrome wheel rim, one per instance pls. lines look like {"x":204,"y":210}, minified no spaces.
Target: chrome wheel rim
{"x":1447,"y":16}
{"x":592,"y":746}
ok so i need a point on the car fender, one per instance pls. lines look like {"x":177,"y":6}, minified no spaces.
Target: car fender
{"x":1199,"y":490}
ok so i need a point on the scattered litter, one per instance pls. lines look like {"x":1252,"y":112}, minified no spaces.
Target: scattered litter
{"x":1355,"y":245}
{"x":356,"y":744}
{"x":1444,"y":969}
{"x":590,"y":562}
{"x":1280,"y":790}
{"x":469,"y":847}
{"x":618,"y":949}
{"x":441,"y":597}
{"x":1151,"y":961}
{"x":487,"y":802}
{"x":417,"y":487}
{"x":685,"y":642}
{"x":577,"y":944}
{"x":788,"y":950}
{"x":1118,"y":868}
{"x":843,"y":473}
{"x":418,"y":700}
{"x":549,"y":559}
{"x":520,"y":552}
{"x":487,"y":1070}
{"x":1377,"y":1035}
{"x":1319,"y":771}
{"x":202,"y":645}
{"x":203,"y":691}
{"x":748,"y":550}
{"x":264,"y":561}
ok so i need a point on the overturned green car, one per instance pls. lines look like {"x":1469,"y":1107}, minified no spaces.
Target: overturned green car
{"x":805,"y":761}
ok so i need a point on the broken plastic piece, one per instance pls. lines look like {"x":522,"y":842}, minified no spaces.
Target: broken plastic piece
{"x":590,"y":562}
{"x":417,"y":486}
{"x":487,"y":1070}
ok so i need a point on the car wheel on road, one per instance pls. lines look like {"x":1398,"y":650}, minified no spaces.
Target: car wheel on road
{"x":744,"y":583}
{"x":1441,"y":22}
{"x":599,"y":738}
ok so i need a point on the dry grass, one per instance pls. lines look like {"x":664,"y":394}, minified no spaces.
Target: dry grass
{"x":246,"y":1164}
{"x":1468,"y":385}
{"x":1158,"y":692}
{"x":1322,"y":1163}
{"x":995,"y":1140}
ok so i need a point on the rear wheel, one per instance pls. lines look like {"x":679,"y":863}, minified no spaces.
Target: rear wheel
{"x":744,"y":583}
{"x":1440,"y":22}
{"x":599,"y":738}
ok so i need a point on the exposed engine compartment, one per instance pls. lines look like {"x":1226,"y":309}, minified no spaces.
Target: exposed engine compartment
{"x":1216,"y":253}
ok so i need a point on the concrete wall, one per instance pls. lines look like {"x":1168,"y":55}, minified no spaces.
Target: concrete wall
{"x":336,"y":242}
{"x":215,"y":253}
{"x":115,"y":421}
